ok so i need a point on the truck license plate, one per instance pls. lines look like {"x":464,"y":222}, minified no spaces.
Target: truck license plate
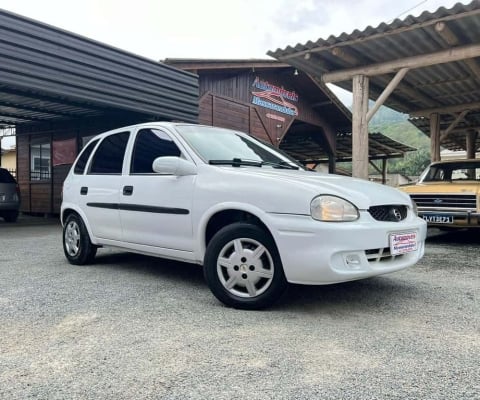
{"x":401,"y":243}
{"x":438,"y":219}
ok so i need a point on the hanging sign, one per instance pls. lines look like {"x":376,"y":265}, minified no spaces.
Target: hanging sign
{"x":274,"y":97}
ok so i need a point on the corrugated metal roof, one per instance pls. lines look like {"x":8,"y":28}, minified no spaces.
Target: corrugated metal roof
{"x":370,"y":33}
{"x":48,"y":73}
{"x":306,"y":149}
{"x":436,"y":86}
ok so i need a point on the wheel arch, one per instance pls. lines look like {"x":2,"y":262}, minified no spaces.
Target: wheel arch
{"x":72,"y":209}
{"x":226,"y":214}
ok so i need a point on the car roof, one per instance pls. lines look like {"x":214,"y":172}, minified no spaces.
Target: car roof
{"x":166,"y":124}
{"x":459,"y":161}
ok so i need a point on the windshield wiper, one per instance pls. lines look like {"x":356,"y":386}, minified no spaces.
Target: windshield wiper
{"x":280,"y":164}
{"x":238,"y":162}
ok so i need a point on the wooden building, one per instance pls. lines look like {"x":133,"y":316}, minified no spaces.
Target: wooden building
{"x":270,"y":100}
{"x":57,"y":89}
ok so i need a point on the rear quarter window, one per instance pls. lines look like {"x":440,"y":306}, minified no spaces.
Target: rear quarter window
{"x":82,"y":160}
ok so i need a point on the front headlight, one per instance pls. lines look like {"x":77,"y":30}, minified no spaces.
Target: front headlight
{"x":332,"y":208}
{"x":414,"y":208}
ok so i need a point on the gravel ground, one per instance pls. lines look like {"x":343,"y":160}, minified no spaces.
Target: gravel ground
{"x":134,"y":327}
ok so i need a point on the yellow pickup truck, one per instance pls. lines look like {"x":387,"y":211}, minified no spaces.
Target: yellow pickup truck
{"x":448,"y":194}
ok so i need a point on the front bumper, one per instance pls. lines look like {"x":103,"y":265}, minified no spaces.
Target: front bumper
{"x":316,"y":253}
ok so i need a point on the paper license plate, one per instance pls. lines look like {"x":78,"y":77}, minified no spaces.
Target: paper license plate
{"x":438,"y":219}
{"x":401,"y":243}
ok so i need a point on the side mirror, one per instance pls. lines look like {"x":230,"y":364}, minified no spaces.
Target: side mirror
{"x":173,"y":166}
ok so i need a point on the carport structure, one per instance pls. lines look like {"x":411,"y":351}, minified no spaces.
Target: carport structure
{"x":48,"y":74}
{"x":57,"y":89}
{"x":425,"y":66}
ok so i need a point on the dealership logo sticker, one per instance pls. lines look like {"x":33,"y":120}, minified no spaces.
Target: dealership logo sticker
{"x":274,"y":97}
{"x":401,"y":243}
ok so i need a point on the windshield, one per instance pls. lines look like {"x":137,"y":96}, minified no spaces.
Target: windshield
{"x":218,"y":146}
{"x":461,"y":171}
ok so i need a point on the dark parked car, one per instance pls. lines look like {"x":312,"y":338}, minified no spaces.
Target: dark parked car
{"x":9,"y":196}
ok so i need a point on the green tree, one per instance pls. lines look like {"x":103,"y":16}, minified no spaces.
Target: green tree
{"x":413,"y":164}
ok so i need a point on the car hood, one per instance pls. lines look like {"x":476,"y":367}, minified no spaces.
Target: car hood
{"x":362,"y":193}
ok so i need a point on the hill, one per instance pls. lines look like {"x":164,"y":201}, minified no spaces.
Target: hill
{"x":395,"y":125}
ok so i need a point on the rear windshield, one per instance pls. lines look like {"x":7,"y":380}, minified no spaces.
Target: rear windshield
{"x":458,"y":171}
{"x":6,"y":177}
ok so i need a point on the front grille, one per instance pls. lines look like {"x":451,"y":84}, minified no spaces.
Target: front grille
{"x":458,"y":201}
{"x":391,"y":213}
{"x":379,"y":255}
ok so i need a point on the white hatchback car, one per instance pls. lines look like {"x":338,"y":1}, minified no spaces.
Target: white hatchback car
{"x":253,"y":217}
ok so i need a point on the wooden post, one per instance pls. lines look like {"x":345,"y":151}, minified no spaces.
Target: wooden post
{"x":384,"y":171}
{"x":332,"y":166}
{"x":471,"y":142}
{"x":435,"y":137}
{"x":360,"y":127}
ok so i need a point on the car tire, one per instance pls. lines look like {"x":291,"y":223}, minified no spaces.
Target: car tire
{"x":77,"y":246}
{"x":10,"y":216}
{"x":243,"y":268}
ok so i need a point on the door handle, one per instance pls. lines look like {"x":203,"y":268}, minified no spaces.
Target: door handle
{"x":83,"y":190}
{"x":127,"y":190}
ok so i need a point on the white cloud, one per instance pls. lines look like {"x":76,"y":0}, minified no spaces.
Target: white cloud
{"x":213,"y":28}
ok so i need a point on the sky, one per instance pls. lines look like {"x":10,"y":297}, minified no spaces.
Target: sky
{"x":159,"y":29}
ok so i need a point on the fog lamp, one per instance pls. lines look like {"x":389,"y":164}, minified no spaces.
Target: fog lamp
{"x":353,"y":261}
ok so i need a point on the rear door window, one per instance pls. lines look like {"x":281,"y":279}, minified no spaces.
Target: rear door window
{"x":108,"y":159}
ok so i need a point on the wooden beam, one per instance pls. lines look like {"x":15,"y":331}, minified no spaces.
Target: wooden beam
{"x":345,"y":55}
{"x":312,"y":66}
{"x":321,"y":104}
{"x":435,"y":137}
{"x":451,"y":39}
{"x":201,"y":64}
{"x":456,"y":94}
{"x":463,"y":79}
{"x":416,"y":94}
{"x":332,"y":165}
{"x":375,"y":167}
{"x":424,"y":60}
{"x":471,"y":146}
{"x":454,"y":123}
{"x":384,"y":171}
{"x":446,"y":34}
{"x":360,"y":127}
{"x":465,"y":129}
{"x":387,"y":92}
{"x":446,"y":110}
{"x":379,"y":146}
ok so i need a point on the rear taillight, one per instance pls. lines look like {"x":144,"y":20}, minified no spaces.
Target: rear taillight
{"x":17,"y":191}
